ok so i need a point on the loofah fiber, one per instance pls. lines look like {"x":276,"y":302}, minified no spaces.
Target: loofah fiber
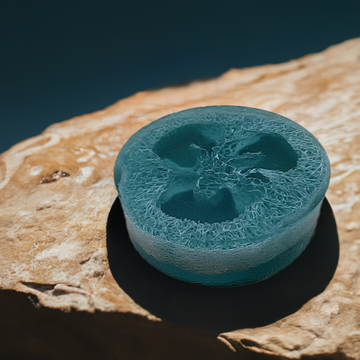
{"x":221,"y":195}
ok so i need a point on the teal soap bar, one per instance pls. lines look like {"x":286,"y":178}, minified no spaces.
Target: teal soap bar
{"x":221,"y":195}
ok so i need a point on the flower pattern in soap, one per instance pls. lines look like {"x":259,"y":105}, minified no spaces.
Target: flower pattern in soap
{"x":221,"y":195}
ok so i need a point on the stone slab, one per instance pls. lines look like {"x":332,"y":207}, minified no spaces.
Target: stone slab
{"x":56,"y":193}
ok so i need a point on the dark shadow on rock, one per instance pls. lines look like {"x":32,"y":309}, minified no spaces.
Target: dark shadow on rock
{"x":29,"y":332}
{"x":216,"y":310}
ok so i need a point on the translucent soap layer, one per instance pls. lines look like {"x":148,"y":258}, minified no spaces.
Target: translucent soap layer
{"x":221,"y":195}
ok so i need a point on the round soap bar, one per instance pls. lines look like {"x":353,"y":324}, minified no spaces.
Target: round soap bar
{"x":221,"y":195}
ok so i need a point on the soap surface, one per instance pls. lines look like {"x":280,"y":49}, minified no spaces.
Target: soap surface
{"x":221,"y":195}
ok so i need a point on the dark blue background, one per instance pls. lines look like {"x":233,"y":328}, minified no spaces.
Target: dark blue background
{"x":59,"y":59}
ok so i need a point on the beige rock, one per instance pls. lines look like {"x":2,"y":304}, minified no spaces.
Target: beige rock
{"x":56,"y":191}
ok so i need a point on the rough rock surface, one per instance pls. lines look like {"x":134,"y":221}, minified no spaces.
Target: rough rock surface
{"x":56,"y":191}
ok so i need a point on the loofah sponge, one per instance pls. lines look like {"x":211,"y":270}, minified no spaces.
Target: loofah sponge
{"x":221,"y":195}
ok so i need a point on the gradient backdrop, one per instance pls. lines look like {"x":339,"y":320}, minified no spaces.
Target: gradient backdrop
{"x":59,"y":59}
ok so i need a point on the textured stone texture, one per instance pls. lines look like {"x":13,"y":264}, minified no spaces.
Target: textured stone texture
{"x":56,"y":191}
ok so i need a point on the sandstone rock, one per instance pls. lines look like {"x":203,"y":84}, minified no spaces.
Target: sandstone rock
{"x":58,"y":295}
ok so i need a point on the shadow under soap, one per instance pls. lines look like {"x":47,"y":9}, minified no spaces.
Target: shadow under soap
{"x":215,"y":310}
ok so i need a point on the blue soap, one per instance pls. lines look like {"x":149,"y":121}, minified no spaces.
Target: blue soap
{"x":221,"y":195}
